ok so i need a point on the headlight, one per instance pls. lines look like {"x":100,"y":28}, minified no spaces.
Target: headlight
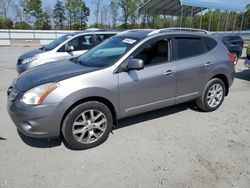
{"x":37,"y":94}
{"x":29,"y":60}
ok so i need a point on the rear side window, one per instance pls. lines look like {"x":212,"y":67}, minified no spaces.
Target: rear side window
{"x":101,"y":37}
{"x":189,"y":47}
{"x":230,"y":38}
{"x":210,"y":43}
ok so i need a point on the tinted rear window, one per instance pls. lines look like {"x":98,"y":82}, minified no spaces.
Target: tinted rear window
{"x":189,"y":47}
{"x":233,"y":37}
{"x":210,"y":43}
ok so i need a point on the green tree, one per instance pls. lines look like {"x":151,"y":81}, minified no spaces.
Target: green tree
{"x":59,"y":13}
{"x":21,"y":13}
{"x":246,"y":22}
{"x":77,"y":12}
{"x":46,"y":23}
{"x":34,"y":9}
{"x":114,"y":12}
{"x":22,"y":25}
{"x":128,"y":8}
{"x":5,"y":23}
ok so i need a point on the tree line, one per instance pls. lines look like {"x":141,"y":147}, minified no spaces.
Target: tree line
{"x":117,"y":14}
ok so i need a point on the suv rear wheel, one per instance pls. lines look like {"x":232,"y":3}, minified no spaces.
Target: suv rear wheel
{"x":212,"y":96}
{"x":87,"y":125}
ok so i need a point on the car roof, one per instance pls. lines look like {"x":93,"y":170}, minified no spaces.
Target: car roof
{"x":136,"y":33}
{"x":92,"y":32}
{"x":144,"y":33}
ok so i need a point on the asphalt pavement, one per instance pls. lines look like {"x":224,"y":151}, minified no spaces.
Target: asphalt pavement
{"x":177,"y":147}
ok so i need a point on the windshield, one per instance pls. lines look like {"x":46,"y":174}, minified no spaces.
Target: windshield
{"x":57,"y":42}
{"x":108,"y":52}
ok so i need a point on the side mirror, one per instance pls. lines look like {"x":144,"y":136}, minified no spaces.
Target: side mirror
{"x":69,"y":48}
{"x":135,"y":64}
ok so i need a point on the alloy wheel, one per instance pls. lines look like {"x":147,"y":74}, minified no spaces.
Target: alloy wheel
{"x":215,"y":95}
{"x":89,"y":126}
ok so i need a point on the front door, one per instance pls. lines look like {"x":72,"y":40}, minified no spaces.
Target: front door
{"x":81,"y":45}
{"x":154,"y":86}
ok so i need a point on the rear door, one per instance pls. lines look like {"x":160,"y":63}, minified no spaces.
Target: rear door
{"x":194,"y":66}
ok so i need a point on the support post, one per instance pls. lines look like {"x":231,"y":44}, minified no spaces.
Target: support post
{"x":181,"y":16}
{"x":227,"y":21}
{"x":201,"y":18}
{"x":191,"y":17}
{"x":138,"y":20}
{"x":242,"y":20}
{"x":210,"y":18}
{"x":235,"y":16}
{"x":218,"y":25}
{"x":171,"y":21}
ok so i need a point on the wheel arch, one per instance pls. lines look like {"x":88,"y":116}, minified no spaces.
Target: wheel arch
{"x":225,"y":81}
{"x":93,"y":98}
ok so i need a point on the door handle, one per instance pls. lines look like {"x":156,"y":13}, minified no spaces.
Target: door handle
{"x":169,"y":73}
{"x":208,"y":65}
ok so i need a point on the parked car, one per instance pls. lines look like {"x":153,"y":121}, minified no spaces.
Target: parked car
{"x":234,"y":39}
{"x":131,"y":73}
{"x":236,"y":50}
{"x":247,"y":63}
{"x":68,"y":46}
{"x":234,"y":44}
{"x":248,"y":52}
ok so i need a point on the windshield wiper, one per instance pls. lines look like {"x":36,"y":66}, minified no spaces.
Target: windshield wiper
{"x":77,"y":61}
{"x":43,"y":48}
{"x":74,"y":60}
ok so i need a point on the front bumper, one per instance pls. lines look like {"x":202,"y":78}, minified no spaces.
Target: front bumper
{"x":41,"y":121}
{"x":247,"y":63}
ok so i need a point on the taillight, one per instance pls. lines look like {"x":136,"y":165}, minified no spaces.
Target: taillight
{"x":232,"y":58}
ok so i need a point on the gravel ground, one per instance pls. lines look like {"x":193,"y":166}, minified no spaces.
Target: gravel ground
{"x":173,"y":147}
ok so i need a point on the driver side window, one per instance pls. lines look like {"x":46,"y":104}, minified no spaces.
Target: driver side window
{"x":154,"y":52}
{"x":84,"y":42}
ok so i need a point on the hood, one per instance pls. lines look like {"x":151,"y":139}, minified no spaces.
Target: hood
{"x":31,"y":53}
{"x":51,"y":72}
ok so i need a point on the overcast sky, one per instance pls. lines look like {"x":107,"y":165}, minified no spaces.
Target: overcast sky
{"x":89,"y":4}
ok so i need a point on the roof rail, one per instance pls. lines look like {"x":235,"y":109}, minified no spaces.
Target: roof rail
{"x":93,"y":29}
{"x":134,"y":30}
{"x":178,"y":29}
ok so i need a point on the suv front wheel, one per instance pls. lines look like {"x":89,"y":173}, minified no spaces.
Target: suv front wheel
{"x":87,"y":125}
{"x":212,"y":96}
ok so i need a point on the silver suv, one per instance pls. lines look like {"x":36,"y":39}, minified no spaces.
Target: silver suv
{"x":68,"y":46}
{"x":130,"y":73}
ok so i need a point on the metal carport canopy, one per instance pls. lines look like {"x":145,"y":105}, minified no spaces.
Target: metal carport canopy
{"x":173,"y":7}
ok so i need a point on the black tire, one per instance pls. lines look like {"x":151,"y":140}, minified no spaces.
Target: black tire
{"x":67,"y":126}
{"x":202,"y":102}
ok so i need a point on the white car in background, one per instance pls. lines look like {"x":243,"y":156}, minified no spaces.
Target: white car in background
{"x":68,"y":46}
